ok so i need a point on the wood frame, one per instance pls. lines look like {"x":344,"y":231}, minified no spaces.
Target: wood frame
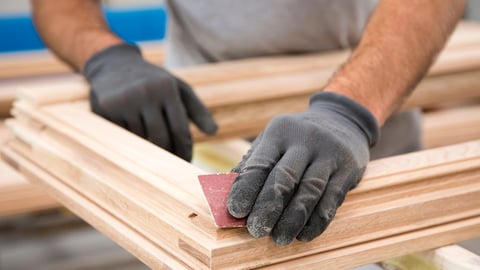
{"x":64,"y":145}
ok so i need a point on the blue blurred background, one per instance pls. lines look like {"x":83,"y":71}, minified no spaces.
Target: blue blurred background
{"x":141,"y":22}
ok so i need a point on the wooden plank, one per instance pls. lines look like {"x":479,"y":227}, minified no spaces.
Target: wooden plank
{"x":247,"y":115}
{"x":71,"y":143}
{"x":102,"y":220}
{"x":450,"y":126}
{"x":223,"y":85}
{"x":158,"y":259}
{"x":17,"y":195}
{"x":43,"y":62}
{"x":453,"y":257}
{"x":386,"y":248}
{"x":260,"y":89}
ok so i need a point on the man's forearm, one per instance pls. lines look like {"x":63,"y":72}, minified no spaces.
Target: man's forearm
{"x":399,"y":44}
{"x":74,"y":30}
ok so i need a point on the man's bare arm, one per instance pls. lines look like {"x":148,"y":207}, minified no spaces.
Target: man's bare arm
{"x":399,"y":44}
{"x":74,"y":30}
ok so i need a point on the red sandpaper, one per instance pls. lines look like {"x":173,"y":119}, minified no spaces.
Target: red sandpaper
{"x":216,"y":188}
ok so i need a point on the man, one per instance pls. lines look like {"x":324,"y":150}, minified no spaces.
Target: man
{"x":300,"y":168}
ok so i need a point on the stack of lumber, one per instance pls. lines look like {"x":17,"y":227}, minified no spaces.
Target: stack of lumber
{"x":107,"y":176}
{"x":17,"y":195}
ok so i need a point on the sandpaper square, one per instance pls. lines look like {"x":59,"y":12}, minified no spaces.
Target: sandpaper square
{"x":216,"y":188}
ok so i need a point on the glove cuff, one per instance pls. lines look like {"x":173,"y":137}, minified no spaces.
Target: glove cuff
{"x":112,"y":56}
{"x":350,"y":109}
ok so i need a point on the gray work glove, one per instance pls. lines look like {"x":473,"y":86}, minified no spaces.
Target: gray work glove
{"x":300,"y":168}
{"x":145,"y":99}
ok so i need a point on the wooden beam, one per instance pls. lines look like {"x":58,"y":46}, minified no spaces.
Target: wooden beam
{"x":119,"y":171}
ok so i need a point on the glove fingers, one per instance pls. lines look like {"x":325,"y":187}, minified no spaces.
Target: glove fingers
{"x":277,"y":192}
{"x":135,"y":124}
{"x":251,"y":178}
{"x":300,"y":208}
{"x":337,"y":187}
{"x":178,"y":123}
{"x":245,"y":157}
{"x":196,"y":111}
{"x":110,"y":116}
{"x":156,"y":129}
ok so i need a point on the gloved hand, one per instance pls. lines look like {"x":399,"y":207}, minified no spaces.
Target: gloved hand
{"x":145,"y":99}
{"x":300,"y":168}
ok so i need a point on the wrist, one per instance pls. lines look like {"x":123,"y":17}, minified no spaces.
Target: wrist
{"x":348,"y":108}
{"x":91,"y":43}
{"x":111,"y":58}
{"x":361,"y":97}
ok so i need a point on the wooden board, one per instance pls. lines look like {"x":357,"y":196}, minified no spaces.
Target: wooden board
{"x":119,"y":171}
{"x":157,"y":258}
{"x":17,"y":195}
{"x":244,"y":95}
{"x":43,"y":62}
{"x":451,"y":125}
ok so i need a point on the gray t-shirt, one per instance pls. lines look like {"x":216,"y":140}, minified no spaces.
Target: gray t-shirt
{"x":217,"y":30}
{"x":202,"y":31}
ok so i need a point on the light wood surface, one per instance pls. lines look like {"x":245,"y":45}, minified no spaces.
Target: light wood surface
{"x":43,"y":62}
{"x":451,"y":125}
{"x":17,"y":195}
{"x":119,"y":172}
{"x":452,"y":257}
{"x":262,"y":87}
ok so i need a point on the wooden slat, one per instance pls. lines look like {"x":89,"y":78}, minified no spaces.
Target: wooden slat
{"x":17,"y":195}
{"x":156,"y":258}
{"x":101,"y":161}
{"x":244,"y":95}
{"x":122,"y":234}
{"x":42,"y":62}
{"x":453,"y":257}
{"x":288,"y":81}
{"x":450,"y":126}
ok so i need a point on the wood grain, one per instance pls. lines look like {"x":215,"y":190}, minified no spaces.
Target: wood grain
{"x":17,"y":195}
{"x":43,"y":62}
{"x":267,"y":81}
{"x":119,"y":171}
{"x":450,"y":126}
